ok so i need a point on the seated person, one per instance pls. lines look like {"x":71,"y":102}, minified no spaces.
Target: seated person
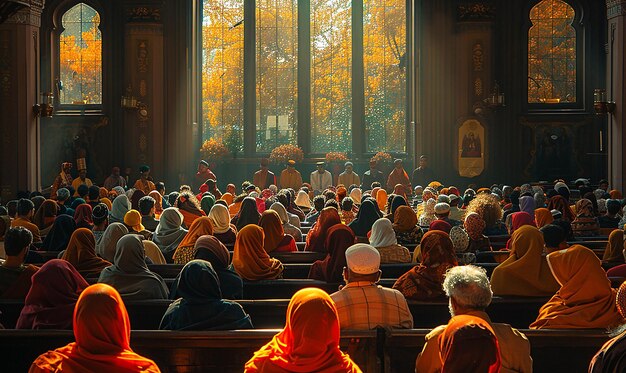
{"x":612,"y":218}
{"x":275,"y":238}
{"x":442,"y":211}
{"x":383,"y":238}
{"x":199,"y":303}
{"x":304,"y":346}
{"x":211,"y":249}
{"x":362,"y":304}
{"x":347,"y":214}
{"x":147,"y":211}
{"x":15,"y":276}
{"x":585,"y":299}
{"x":474,"y":226}
{"x":102,"y":332}
{"x":25,"y":212}
{"x":554,"y":238}
{"x":318,"y":204}
{"x":100,"y":216}
{"x":469,"y":293}
{"x":250,"y":259}
{"x":610,"y":358}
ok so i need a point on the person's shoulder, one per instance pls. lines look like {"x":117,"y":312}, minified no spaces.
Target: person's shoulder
{"x":435,"y":332}
{"x":507,"y":331}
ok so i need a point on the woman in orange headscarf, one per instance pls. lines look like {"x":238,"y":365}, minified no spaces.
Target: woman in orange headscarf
{"x":543,"y":217}
{"x":158,"y":203}
{"x":102,"y":332}
{"x":405,"y":226}
{"x":250,"y":260}
{"x":309,"y":342}
{"x":228,"y":198}
{"x":525,"y":272}
{"x":381,"y":199}
{"x":81,"y":253}
{"x":424,"y":281}
{"x":615,"y":194}
{"x":185,"y":251}
{"x":316,"y":238}
{"x":614,"y":248}
{"x":275,"y":238}
{"x":585,"y":299}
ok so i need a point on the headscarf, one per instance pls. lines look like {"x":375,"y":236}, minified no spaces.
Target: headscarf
{"x":383,"y":234}
{"x":356,"y":195}
{"x":200,"y":305}
{"x":469,"y":344}
{"x":525,"y":272}
{"x":220,"y":218}
{"x":169,"y":232}
{"x":60,"y":233}
{"x":130,"y":275}
{"x":102,"y":332}
{"x":51,"y":307}
{"x":381,"y":199}
{"x":396,"y":202}
{"x":585,"y":223}
{"x":77,"y":202}
{"x":615,"y":194}
{"x":302,"y":200}
{"x":213,"y":251}
{"x":585,"y":299}
{"x":399,"y":190}
{"x":428,"y":215}
{"x":207,"y":203}
{"x":309,"y":342}
{"x":273,"y":229}
{"x":106,"y":248}
{"x":614,"y":247}
{"x":228,"y":198}
{"x":559,"y":203}
{"x":404,"y":219}
{"x":424,"y":281}
{"x":248,"y":214}
{"x":136,"y":196}
{"x":45,"y":215}
{"x":540,"y":199}
{"x":184,"y":251}
{"x":121,"y":205}
{"x":474,"y":226}
{"x":107,"y":202}
{"x":527,"y":204}
{"x":103,"y":192}
{"x":338,"y":239}
{"x":83,"y":216}
{"x":459,"y":238}
{"x":543,"y":217}
{"x":158,"y":202}
{"x":250,"y":259}
{"x":365,"y":218}
{"x":316,"y":238}
{"x":440,"y":225}
{"x":119,"y":189}
{"x":521,"y":218}
{"x":81,"y":253}
{"x":584,"y":208}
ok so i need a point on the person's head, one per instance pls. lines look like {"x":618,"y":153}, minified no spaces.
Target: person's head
{"x":318,"y":202}
{"x":230,"y":188}
{"x":320,"y":166}
{"x":82,"y":173}
{"x":442,"y":210}
{"x":63,"y":194}
{"x":467,"y":288}
{"x":349,"y":167}
{"x":346,"y":204}
{"x":291,"y":164}
{"x":264,"y":163}
{"x":423,"y":161}
{"x":67,"y":167}
{"x":487,"y":206}
{"x":372,"y":164}
{"x":554,"y":237}
{"x":17,"y":241}
{"x":94,"y":193}
{"x":566,"y":226}
{"x":100,"y":214}
{"x":332,"y":203}
{"x":363,"y":264}
{"x":146,"y":205}
{"x":603,"y":184}
{"x":203,"y":166}
{"x":144,"y":171}
{"x":115,"y":171}
{"x":375,"y":184}
{"x":211,"y":183}
{"x":613,"y":207}
{"x":397,"y":164}
{"x":12,"y":208}
{"x":83,"y":191}
{"x":160,"y":187}
{"x":25,"y":208}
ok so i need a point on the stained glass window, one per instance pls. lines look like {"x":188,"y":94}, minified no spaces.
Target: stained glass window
{"x":80,"y":56}
{"x":552,"y":53}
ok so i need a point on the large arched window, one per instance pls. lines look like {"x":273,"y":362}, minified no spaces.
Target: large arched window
{"x":80,"y":57}
{"x":552,"y":54}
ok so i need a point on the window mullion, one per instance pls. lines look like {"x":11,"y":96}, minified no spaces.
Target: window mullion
{"x":249,"y":78}
{"x":358,"y":80}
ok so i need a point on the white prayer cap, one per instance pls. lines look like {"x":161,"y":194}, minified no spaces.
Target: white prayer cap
{"x":363,"y":259}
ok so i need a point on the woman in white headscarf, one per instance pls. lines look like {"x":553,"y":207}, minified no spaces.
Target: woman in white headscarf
{"x":225,"y":232}
{"x":383,"y":238}
{"x":428,"y":216}
{"x":121,"y":205}
{"x":106,"y":247}
{"x":303,"y":201}
{"x":169,"y":233}
{"x":356,"y":194}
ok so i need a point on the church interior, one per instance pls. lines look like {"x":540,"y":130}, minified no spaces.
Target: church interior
{"x":256,"y":151}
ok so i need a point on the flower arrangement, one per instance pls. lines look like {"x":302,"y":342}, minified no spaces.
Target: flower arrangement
{"x":283,"y":153}
{"x":336,"y":157}
{"x":214,"y":150}
{"x":382,"y":157}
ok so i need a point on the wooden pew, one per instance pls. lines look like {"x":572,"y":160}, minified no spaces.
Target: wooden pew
{"x":225,"y":352}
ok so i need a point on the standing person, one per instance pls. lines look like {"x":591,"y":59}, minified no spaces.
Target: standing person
{"x":203,"y":174}
{"x":263,"y":178}
{"x":398,"y":176}
{"x":63,"y":180}
{"x":373,"y":175}
{"x":115,"y":179}
{"x":423,"y":175}
{"x":349,"y":177}
{"x":82,"y":179}
{"x":290,"y":177}
{"x":321,"y":178}
{"x":144,"y":183}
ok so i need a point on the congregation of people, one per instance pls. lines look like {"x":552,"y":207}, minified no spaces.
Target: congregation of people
{"x":105,"y":239}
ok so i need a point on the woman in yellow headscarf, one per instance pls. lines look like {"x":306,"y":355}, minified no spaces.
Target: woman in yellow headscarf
{"x":526,"y":271}
{"x":585,"y":299}
{"x":309,"y":342}
{"x":250,"y":259}
{"x":543,"y":217}
{"x":614,"y":248}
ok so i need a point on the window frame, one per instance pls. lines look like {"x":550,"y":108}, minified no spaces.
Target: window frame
{"x":580,"y":30}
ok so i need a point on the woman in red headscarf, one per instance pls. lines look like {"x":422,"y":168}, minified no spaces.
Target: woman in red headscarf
{"x":102,"y":332}
{"x":316,"y":238}
{"x":338,"y":240}
{"x":308,"y":343}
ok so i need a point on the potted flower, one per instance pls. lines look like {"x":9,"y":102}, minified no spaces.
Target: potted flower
{"x":281,"y":154}
{"x":384,"y":162}
{"x":335,"y":161}
{"x":214,"y":152}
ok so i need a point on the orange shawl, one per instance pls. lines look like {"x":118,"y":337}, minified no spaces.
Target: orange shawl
{"x":273,"y":229}
{"x":308,"y":343}
{"x":613,"y":251}
{"x":200,"y":227}
{"x":469,"y":344}
{"x":228,"y":198}
{"x":81,"y":253}
{"x":585,"y":299}
{"x":102,"y":332}
{"x":250,"y":259}
{"x":158,"y":202}
{"x":381,"y":199}
{"x":525,"y":272}
{"x":543,"y":217}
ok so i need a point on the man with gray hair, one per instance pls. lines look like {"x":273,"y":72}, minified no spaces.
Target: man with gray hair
{"x":469,"y":293}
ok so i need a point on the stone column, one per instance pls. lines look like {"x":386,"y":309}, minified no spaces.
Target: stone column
{"x":616,"y":91}
{"x":19,"y":91}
